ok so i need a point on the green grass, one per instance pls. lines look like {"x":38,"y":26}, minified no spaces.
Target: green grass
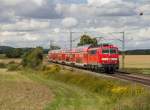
{"x":56,"y":89}
{"x":79,"y":91}
{"x":70,"y":97}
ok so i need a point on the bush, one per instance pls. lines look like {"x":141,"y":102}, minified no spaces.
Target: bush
{"x":33,"y":59}
{"x":2,"y":65}
{"x":104,"y":86}
{"x":13,"y":67}
{"x":11,"y":62}
{"x":14,"y":53}
{"x":49,"y":70}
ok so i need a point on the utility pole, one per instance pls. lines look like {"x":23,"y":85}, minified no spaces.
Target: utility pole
{"x":71,"y":40}
{"x":51,"y":44}
{"x":123,"y":50}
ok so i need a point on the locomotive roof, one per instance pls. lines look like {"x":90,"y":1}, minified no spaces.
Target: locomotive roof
{"x":86,"y":47}
{"x":82,"y":48}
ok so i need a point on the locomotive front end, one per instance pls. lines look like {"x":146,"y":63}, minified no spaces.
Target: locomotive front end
{"x":110,"y":59}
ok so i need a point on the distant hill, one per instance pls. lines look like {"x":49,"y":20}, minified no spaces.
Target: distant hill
{"x":138,"y":52}
{"x":3,"y":49}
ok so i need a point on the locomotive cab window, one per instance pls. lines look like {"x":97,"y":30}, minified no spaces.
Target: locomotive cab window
{"x":92,"y":52}
{"x":105,"y":51}
{"x":109,"y":51}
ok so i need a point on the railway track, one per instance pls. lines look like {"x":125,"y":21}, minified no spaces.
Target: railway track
{"x":119,"y":75}
{"x":135,"y":78}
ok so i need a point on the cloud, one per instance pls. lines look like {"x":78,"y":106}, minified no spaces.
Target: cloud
{"x":56,"y":30}
{"x":39,"y":2}
{"x":69,"y":22}
{"x":26,"y":25}
{"x":102,"y":2}
{"x":86,"y":11}
{"x":15,"y":2}
{"x":30,"y":23}
{"x":11,"y":2}
{"x":39,"y":9}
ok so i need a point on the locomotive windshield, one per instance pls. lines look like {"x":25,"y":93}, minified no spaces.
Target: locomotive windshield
{"x":105,"y":51}
{"x":109,"y":51}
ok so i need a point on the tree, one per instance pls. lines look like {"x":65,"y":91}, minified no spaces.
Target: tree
{"x":33,"y":59}
{"x":14,"y":53}
{"x":86,"y":39}
{"x":54,"y":47}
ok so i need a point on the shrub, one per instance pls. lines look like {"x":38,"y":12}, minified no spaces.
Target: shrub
{"x":104,"y":86}
{"x":49,"y":70}
{"x":13,"y":67}
{"x":14,"y":53}
{"x":11,"y":62}
{"x":33,"y":59}
{"x":2,"y":65}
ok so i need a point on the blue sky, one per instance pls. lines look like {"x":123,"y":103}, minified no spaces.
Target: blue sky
{"x":36,"y":22}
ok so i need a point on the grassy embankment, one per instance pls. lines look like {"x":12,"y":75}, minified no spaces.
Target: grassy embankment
{"x":80,"y":91}
{"x":57,"y":89}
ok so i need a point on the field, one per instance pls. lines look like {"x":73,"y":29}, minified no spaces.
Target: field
{"x":20,"y":93}
{"x":131,"y":61}
{"x":136,"y":61}
{"x":54,"y":89}
{"x":67,"y":90}
{"x":7,"y":60}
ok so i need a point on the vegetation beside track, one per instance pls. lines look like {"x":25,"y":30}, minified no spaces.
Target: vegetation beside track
{"x":86,"y":92}
{"x":71,"y":90}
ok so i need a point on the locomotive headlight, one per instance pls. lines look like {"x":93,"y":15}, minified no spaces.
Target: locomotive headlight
{"x":113,"y":58}
{"x":104,"y":59}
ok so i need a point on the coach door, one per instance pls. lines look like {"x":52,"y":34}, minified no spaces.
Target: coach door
{"x":85,"y":57}
{"x":92,"y":57}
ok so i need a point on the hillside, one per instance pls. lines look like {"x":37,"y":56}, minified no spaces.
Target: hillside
{"x":138,"y":52}
{"x":4,"y":49}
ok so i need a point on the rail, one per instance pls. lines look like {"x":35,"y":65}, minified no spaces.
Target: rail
{"x":123,"y":76}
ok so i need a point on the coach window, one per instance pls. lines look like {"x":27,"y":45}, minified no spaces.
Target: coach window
{"x":92,"y":52}
{"x":72,"y":55}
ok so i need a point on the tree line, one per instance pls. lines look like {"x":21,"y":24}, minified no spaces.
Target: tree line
{"x":11,"y":52}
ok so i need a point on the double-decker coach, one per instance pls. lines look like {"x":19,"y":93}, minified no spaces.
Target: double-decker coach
{"x":101,"y":57}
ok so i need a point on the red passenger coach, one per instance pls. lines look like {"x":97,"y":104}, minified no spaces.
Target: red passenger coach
{"x":102,"y":57}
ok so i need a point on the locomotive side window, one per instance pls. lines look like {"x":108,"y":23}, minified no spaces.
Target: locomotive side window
{"x":92,"y":52}
{"x":113,"y":51}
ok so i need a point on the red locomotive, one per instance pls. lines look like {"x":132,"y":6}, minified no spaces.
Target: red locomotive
{"x":103,"y":57}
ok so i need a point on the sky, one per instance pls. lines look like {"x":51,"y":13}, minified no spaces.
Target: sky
{"x":31,"y":23}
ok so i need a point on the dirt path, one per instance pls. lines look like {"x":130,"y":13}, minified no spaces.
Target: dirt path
{"x":20,"y":93}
